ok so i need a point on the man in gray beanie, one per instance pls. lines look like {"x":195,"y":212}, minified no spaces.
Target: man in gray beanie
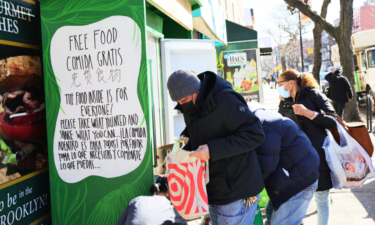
{"x":220,"y":128}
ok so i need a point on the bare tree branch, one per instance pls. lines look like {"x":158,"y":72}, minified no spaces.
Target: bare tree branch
{"x":305,"y":9}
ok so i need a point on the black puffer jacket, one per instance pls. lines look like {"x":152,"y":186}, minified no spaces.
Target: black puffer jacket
{"x":339,"y":88}
{"x":225,"y":123}
{"x":316,"y":101}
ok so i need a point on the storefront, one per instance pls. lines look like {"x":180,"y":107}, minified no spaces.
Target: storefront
{"x":108,"y":108}
{"x":80,"y":152}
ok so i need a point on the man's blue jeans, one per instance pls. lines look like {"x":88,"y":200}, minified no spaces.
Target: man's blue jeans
{"x":233,"y":213}
{"x":294,"y":210}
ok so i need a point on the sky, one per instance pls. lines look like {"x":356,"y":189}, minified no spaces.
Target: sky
{"x":262,"y":12}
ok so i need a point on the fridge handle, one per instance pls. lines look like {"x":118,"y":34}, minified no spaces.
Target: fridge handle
{"x":153,"y":116}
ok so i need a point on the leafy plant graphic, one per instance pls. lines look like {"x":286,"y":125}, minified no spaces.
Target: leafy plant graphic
{"x":55,"y":14}
{"x":69,"y":214}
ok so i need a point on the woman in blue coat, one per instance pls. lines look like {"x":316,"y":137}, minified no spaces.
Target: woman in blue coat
{"x":289,"y":165}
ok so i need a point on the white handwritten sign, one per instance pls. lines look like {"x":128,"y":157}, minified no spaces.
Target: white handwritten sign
{"x":100,"y":128}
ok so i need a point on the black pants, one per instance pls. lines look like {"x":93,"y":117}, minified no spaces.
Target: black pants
{"x":339,"y":108}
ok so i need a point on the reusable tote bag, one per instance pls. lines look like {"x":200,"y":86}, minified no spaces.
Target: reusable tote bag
{"x":349,"y":162}
{"x":187,"y":179}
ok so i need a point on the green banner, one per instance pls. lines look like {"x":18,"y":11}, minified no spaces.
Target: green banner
{"x":24,"y":177}
{"x":19,"y":23}
{"x":94,"y":61}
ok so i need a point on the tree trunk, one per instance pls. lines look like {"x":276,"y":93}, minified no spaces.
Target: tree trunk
{"x":283,"y":63}
{"x":317,"y":51}
{"x":346,"y":56}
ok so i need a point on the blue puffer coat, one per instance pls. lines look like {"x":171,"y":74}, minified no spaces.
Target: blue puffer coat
{"x":288,"y":161}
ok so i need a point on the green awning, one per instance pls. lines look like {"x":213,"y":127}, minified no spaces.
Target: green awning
{"x":236,"y":32}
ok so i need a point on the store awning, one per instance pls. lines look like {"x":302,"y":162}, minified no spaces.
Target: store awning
{"x":210,"y":21}
{"x":265,"y":51}
{"x":179,"y":11}
{"x":236,"y":32}
{"x":195,"y":4}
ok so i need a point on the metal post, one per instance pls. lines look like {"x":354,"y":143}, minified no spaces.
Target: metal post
{"x":369,"y":113}
{"x":300,"y":38}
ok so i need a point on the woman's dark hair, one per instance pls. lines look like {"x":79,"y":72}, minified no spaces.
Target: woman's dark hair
{"x":161,"y":185}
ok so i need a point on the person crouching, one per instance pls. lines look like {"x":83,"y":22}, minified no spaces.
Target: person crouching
{"x":289,"y":165}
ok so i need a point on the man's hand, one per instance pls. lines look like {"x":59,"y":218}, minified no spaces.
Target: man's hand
{"x":350,"y":99}
{"x":201,"y":153}
{"x":300,"y":109}
{"x":185,"y":139}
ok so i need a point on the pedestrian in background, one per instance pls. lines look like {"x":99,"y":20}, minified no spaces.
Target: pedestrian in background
{"x":305,"y":104}
{"x":289,"y":165}
{"x":220,"y":128}
{"x":340,"y":91}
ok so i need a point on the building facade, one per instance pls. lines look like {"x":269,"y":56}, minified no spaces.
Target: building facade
{"x":234,"y":10}
{"x":363,"y":18}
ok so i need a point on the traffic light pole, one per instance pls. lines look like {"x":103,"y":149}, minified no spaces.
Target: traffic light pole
{"x":300,"y":38}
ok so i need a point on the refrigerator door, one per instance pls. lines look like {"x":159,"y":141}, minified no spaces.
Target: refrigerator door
{"x":196,"y":55}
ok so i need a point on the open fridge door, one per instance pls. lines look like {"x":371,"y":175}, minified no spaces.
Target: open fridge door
{"x":196,"y":55}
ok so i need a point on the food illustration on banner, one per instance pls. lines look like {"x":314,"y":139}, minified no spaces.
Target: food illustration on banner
{"x":22,"y":117}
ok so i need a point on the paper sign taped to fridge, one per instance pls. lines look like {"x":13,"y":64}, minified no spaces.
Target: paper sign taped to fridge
{"x":100,"y":128}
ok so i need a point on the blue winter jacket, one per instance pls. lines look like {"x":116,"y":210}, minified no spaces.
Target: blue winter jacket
{"x":288,"y":161}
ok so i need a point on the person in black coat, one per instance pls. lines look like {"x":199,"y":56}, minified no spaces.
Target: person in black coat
{"x":340,"y":91}
{"x":289,"y":165}
{"x":303,"y":103}
{"x":220,"y":128}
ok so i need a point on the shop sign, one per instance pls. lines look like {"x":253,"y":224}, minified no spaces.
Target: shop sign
{"x":98,"y":108}
{"x":237,"y":59}
{"x":24,"y":178}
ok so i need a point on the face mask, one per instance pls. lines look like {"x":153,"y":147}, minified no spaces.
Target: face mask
{"x":284,"y":93}
{"x":189,"y":108}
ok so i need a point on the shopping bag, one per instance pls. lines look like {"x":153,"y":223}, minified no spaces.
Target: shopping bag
{"x":258,"y":220}
{"x":348,"y":161}
{"x":263,"y":200}
{"x":187,"y":179}
{"x":358,"y":131}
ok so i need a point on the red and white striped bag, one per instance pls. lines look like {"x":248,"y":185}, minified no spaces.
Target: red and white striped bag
{"x":187,"y":179}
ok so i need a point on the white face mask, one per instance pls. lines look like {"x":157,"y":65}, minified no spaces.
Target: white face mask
{"x":283,"y":92}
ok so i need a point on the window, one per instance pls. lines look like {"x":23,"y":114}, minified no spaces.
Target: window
{"x":371,"y":58}
{"x":364,"y":62}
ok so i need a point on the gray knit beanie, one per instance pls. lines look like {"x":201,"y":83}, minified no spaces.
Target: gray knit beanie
{"x":182,"y":83}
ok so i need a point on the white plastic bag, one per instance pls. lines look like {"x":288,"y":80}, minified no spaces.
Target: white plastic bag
{"x":187,"y":179}
{"x":349,"y":162}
